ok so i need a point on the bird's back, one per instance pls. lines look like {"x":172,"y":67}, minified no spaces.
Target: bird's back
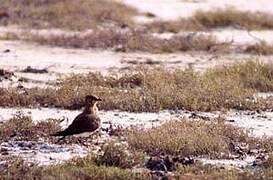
{"x":82,"y":123}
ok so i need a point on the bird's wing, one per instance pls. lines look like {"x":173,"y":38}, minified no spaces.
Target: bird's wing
{"x":76,"y":125}
{"x":82,"y":123}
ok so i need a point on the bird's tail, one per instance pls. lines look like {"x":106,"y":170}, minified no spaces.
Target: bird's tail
{"x":59,"y":133}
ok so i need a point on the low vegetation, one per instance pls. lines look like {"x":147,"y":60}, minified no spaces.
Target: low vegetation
{"x":22,"y":128}
{"x":233,"y":17}
{"x":66,"y":14}
{"x":154,"y":89}
{"x":115,"y":161}
{"x":113,"y":26}
{"x":261,"y":48}
{"x":253,"y":74}
{"x":141,"y":89}
{"x":128,"y":41}
{"x":204,"y":172}
{"x":188,"y":138}
{"x":205,"y":20}
{"x":141,"y":41}
{"x":86,"y":168}
{"x":80,"y":169}
{"x":116,"y":154}
{"x":82,"y":15}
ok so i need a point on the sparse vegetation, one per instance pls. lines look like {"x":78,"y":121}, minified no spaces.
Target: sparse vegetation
{"x":128,"y":41}
{"x":187,"y":138}
{"x":261,"y":48}
{"x":139,"y":40}
{"x":253,"y":74}
{"x":269,"y":162}
{"x":81,"y":169}
{"x":175,"y":26}
{"x":204,"y":20}
{"x":86,"y":168}
{"x":66,"y":14}
{"x":234,"y":17}
{"x":168,"y":151}
{"x":21,"y":128}
{"x":203,"y":172}
{"x":83,"y":15}
{"x":117,"y":155}
{"x":144,"y":89}
{"x":107,"y":20}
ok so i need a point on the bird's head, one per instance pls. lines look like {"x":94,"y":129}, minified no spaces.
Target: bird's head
{"x":91,"y":100}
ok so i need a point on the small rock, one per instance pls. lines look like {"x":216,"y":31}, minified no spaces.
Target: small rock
{"x":20,"y":86}
{"x":258,"y":111}
{"x":6,"y":74}
{"x":262,"y":116}
{"x":29,"y":69}
{"x":155,"y":120}
{"x":150,"y":15}
{"x":6,"y":51}
{"x":184,"y":160}
{"x":197,"y":116}
{"x":161,"y":164}
{"x":193,"y":115}
{"x":251,"y":113}
{"x":230,"y":120}
{"x":25,"y":145}
{"x":5,"y":153}
{"x":156,"y":164}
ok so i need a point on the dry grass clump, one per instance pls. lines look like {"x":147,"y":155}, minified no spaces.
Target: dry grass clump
{"x":116,"y":154}
{"x":22,"y":128}
{"x":252,"y":74}
{"x":132,"y":40}
{"x":268,"y":163}
{"x":11,"y":97}
{"x":204,"y":172}
{"x":234,"y":17}
{"x":68,"y":14}
{"x":187,"y":138}
{"x":261,"y":48}
{"x":80,"y":169}
{"x":175,"y":26}
{"x":203,"y":20}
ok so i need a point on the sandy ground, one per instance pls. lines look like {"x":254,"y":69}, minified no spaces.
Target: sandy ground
{"x":43,"y":153}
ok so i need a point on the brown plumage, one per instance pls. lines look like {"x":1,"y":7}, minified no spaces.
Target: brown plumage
{"x":87,"y":121}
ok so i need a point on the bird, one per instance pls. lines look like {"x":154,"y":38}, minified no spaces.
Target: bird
{"x":86,"y":122}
